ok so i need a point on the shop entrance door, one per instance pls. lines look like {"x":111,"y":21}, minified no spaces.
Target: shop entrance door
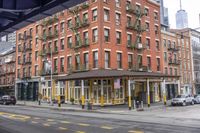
{"x":96,"y":94}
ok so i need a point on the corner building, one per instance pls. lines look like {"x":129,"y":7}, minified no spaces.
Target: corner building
{"x":103,"y":51}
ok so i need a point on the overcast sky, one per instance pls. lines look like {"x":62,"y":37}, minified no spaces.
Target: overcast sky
{"x":192,"y":7}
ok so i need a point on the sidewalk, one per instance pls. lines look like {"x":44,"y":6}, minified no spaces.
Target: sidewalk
{"x":117,"y":109}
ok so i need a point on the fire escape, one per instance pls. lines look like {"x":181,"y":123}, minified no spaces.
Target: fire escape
{"x":80,"y":41}
{"x":48,"y":33}
{"x":25,"y":48}
{"x":138,"y":29}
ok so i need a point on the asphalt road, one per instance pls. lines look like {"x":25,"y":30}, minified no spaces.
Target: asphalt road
{"x":19,"y":119}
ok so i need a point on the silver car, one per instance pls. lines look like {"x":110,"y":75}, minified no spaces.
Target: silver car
{"x":182,"y":100}
{"x":197,"y":98}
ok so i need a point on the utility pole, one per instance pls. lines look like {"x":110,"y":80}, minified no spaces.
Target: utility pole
{"x":51,"y":102}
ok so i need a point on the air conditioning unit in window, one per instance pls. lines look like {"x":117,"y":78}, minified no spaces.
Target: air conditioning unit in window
{"x":140,"y":46}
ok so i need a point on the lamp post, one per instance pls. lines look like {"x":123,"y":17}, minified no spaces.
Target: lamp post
{"x":51,"y":102}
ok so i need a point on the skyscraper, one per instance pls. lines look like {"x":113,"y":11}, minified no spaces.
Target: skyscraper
{"x":164,"y":19}
{"x":181,"y":18}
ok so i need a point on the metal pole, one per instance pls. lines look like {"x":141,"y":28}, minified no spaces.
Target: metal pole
{"x":51,"y":78}
{"x":148,"y":93}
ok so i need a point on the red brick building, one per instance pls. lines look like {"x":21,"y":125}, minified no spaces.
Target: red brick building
{"x":113,"y":36}
{"x":7,"y":71}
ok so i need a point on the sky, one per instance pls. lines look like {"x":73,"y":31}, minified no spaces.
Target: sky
{"x":191,"y":7}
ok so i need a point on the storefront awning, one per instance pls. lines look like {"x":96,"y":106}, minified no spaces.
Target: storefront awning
{"x":106,"y":73}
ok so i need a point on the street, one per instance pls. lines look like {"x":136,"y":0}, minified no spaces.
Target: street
{"x":22,"y":119}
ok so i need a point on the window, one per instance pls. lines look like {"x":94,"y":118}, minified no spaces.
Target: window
{"x":69,"y":23}
{"x":139,"y":59}
{"x":95,"y":59}
{"x":36,"y":70}
{"x":106,"y":15}
{"x":18,"y":73}
{"x":118,"y":19}
{"x":86,"y":61}
{"x":158,"y":64}
{"x":62,"y":64}
{"x":169,"y":44}
{"x":155,"y":15}
{"x":85,"y":17}
{"x":118,"y":37}
{"x":94,"y":15}
{"x":170,"y":71}
{"x":36,"y":42}
{"x":164,"y":42}
{"x":175,"y":72}
{"x":106,"y":35}
{"x":62,"y":44}
{"x":130,"y":61}
{"x":165,"y":56}
{"x":146,"y":12}
{"x":118,"y":3}
{"x":157,"y":46}
{"x":55,"y":65}
{"x":69,"y":62}
{"x":166,"y":71}
{"x":156,"y":29}
{"x":36,"y":55}
{"x":129,"y":39}
{"x":129,"y":21}
{"x":77,"y":40}
{"x":147,"y":26}
{"x":95,"y":35}
{"x":85,"y":38}
{"x":69,"y":42}
{"x":56,"y":28}
{"x":62,"y":27}
{"x":77,"y":62}
{"x":37,"y":29}
{"x":149,"y":63}
{"x":119,"y":60}
{"x":107,"y":59}
{"x":148,"y":43}
{"x":56,"y":46}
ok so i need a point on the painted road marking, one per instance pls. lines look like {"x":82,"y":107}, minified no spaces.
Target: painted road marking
{"x":83,"y":124}
{"x":46,"y":125}
{"x":50,"y":120}
{"x":34,"y":122}
{"x":80,"y":132}
{"x":14,"y":116}
{"x":62,"y":128}
{"x":65,"y":122}
{"x":106,"y":127}
{"x":36,"y":118}
{"x":131,"y":131}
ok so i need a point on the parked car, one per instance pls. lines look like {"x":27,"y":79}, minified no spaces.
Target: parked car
{"x":183,"y":100}
{"x":197,"y":98}
{"x":7,"y":100}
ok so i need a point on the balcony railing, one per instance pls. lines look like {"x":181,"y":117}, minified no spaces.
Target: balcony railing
{"x":133,"y":10}
{"x":174,"y":62}
{"x":50,"y":21}
{"x":173,"y":48}
{"x":80,"y":7}
{"x":139,"y":68}
{"x":49,"y":36}
{"x":27,"y":61}
{"x":80,"y":24}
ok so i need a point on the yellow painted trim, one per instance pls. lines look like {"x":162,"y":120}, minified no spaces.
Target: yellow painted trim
{"x":83,"y":100}
{"x":148,"y":99}
{"x":102,"y":100}
{"x":53,"y":89}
